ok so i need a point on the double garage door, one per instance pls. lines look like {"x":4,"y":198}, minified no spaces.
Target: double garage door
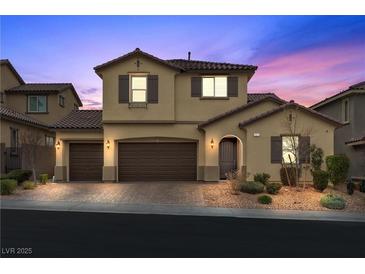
{"x":136,"y":162}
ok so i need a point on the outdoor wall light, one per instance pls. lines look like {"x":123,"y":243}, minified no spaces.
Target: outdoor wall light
{"x":107,"y":144}
{"x":212,"y":143}
{"x":58,"y":144}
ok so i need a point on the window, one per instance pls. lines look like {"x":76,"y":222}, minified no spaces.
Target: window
{"x":346,"y":111}
{"x":50,"y":141}
{"x":139,"y":89}
{"x":61,"y":101}
{"x":290,"y":146}
{"x":37,"y":103}
{"x":14,"y":140}
{"x":214,"y":86}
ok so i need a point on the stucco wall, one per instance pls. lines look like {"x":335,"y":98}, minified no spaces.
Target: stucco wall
{"x":18,"y":102}
{"x":7,"y":80}
{"x":259,"y":148}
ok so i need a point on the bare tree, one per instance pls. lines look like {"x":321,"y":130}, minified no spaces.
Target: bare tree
{"x":294,"y":148}
{"x":31,"y":140}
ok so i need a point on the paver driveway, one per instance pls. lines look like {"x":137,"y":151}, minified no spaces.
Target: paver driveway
{"x":190,"y":193}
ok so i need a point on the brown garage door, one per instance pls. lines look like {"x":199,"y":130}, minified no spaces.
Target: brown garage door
{"x":86,"y":162}
{"x":157,"y":161}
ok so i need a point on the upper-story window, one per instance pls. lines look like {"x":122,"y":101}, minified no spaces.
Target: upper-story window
{"x":61,"y":101}
{"x":138,"y":88}
{"x":37,"y":103}
{"x":214,"y":86}
{"x":50,"y":141}
{"x":346,"y":111}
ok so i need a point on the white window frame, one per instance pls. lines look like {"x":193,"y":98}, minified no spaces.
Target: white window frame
{"x":137,"y":75}
{"x":47,"y":143}
{"x":346,"y":112}
{"x":214,"y":86}
{"x":37,"y":111}
{"x":284,"y":152}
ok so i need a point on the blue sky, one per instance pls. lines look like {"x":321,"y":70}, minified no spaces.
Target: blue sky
{"x":305,"y":58}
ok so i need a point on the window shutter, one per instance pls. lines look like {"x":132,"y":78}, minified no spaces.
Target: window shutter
{"x":232,"y":86}
{"x":196,"y":86}
{"x":123,"y":88}
{"x":304,"y":149}
{"x":152,"y":89}
{"x":276,"y":149}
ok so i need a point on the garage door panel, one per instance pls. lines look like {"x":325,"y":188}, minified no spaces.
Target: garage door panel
{"x":86,"y":162}
{"x":157,"y":161}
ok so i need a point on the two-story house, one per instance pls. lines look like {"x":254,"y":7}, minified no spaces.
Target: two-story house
{"x":26,"y":111}
{"x":348,"y":106}
{"x":182,"y":119}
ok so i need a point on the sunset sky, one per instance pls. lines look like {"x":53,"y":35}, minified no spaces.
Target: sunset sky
{"x":305,"y":58}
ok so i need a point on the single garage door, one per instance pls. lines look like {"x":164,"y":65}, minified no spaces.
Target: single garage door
{"x":157,"y":162}
{"x":86,"y":162}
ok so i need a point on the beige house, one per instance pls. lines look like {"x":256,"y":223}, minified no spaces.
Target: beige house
{"x":182,"y":119}
{"x":26,"y":111}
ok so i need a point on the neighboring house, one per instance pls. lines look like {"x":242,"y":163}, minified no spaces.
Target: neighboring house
{"x":26,"y":111}
{"x":181,"y":120}
{"x":348,"y":106}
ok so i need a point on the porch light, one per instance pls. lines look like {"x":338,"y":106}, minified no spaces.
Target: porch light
{"x":107,"y":144}
{"x":58,"y":144}
{"x":212,"y":143}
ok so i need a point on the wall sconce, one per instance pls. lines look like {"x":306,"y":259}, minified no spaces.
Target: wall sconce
{"x":212,"y":143}
{"x":58,"y":144}
{"x":107,"y":144}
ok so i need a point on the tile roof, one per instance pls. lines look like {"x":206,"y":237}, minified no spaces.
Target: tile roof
{"x":80,"y":119}
{"x":192,"y":65}
{"x":241,"y":108}
{"x":46,"y":88}
{"x":355,"y":140}
{"x":258,"y":96}
{"x":354,"y":89}
{"x":7,"y":62}
{"x":291,"y":104}
{"x":10,"y":114}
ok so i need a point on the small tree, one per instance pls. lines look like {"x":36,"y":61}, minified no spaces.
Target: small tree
{"x":31,"y":140}
{"x":316,"y":157}
{"x":338,"y":167}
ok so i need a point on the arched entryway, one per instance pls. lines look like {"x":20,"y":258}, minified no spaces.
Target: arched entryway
{"x":229,"y":149}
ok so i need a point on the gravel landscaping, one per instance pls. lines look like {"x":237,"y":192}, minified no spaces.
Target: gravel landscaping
{"x":183,"y":193}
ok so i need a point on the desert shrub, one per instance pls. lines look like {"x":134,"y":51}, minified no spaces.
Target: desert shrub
{"x":20,"y":175}
{"x":261,"y":178}
{"x":7,"y":186}
{"x":273,"y":188}
{"x":320,"y":179}
{"x":333,"y":201}
{"x":43,"y":178}
{"x":292,"y":177}
{"x":233,"y":178}
{"x":264,"y":199}
{"x":316,"y":157}
{"x":252,"y":187}
{"x":337,"y":167}
{"x":29,"y":185}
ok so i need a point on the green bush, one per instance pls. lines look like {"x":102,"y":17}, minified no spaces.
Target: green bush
{"x":264,"y":199}
{"x":43,"y":178}
{"x":333,"y":201}
{"x":252,"y":187}
{"x":316,"y":157}
{"x":7,"y":186}
{"x":261,"y":178}
{"x":292,"y":177}
{"x":29,"y":185}
{"x":273,"y":188}
{"x":320,"y":179}
{"x":19,"y":175}
{"x":337,"y":167}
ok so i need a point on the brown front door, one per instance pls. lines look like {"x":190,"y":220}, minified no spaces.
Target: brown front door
{"x":227,"y":156}
{"x":86,"y":162}
{"x":157,"y":162}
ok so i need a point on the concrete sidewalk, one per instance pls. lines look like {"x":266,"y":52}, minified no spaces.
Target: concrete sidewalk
{"x":168,"y":209}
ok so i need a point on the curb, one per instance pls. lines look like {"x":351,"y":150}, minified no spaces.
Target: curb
{"x":169,"y":209}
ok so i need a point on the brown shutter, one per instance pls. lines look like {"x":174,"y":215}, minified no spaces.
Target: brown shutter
{"x":196,"y":86}
{"x":276,"y":149}
{"x":304,"y":149}
{"x":152,"y":89}
{"x":232,"y":86}
{"x":123,"y":88}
